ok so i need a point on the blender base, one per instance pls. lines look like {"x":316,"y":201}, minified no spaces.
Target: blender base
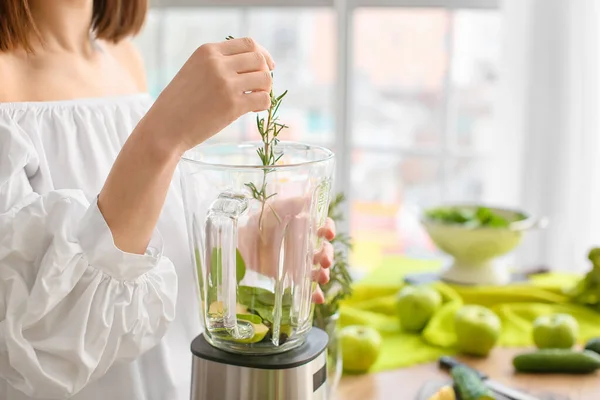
{"x":298,"y":374}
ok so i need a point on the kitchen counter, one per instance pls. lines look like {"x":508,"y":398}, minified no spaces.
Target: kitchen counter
{"x":405,"y":383}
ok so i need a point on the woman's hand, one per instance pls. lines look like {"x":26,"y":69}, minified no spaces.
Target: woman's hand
{"x":219,"y":83}
{"x":286,"y":221}
{"x":324,"y":258}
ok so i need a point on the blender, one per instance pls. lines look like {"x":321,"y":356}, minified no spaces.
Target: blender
{"x":253,"y":235}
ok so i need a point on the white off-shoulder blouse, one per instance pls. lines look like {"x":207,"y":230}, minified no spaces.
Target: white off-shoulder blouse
{"x":79,"y":317}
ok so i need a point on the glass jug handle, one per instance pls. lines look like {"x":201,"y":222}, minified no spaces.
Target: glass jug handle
{"x":221,"y":236}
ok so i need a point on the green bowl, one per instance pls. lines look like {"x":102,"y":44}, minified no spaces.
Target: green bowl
{"x":475,"y":249}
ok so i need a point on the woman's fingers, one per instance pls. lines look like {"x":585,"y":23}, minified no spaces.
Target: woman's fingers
{"x":245,"y":45}
{"x":321,"y":276}
{"x":318,"y":296}
{"x":248,"y":62}
{"x":324,"y":257}
{"x":257,"y":101}
{"x":255,"y":81}
{"x":327,"y":231}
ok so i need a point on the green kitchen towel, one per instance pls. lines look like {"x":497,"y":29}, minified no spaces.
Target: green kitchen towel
{"x":517,"y":305}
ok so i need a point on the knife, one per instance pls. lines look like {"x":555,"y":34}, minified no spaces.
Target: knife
{"x":447,"y":363}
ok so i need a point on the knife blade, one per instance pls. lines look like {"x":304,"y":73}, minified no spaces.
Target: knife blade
{"x":447,"y":363}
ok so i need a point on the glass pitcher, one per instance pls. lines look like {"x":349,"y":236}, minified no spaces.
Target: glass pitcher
{"x":253,"y":232}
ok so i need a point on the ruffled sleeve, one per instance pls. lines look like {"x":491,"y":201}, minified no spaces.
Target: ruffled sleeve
{"x":71,"y":303}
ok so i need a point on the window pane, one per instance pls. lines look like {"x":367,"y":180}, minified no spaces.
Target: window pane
{"x":302,"y":42}
{"x":387,"y":190}
{"x":475,"y":61}
{"x":465,"y":180}
{"x":172,"y":35}
{"x":146,"y":43}
{"x":187,"y":29}
{"x":400,"y":63}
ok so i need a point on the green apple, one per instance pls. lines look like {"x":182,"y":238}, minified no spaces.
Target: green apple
{"x":416,"y":305}
{"x":477,"y":330}
{"x":360,"y":348}
{"x":557,"y":331}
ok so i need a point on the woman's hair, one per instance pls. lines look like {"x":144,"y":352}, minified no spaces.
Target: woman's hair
{"x":112,"y":20}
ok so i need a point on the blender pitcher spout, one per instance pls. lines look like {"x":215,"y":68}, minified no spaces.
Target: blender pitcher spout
{"x":221,"y":247}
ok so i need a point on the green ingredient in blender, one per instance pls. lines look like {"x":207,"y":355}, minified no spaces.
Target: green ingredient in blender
{"x":266,"y":313}
{"x":242,"y":313}
{"x":469,"y":217}
{"x":217,"y":307}
{"x":255,"y":305}
{"x":284,"y":333}
{"x":255,"y":319}
{"x":215,"y":272}
{"x":469,"y":384}
{"x":216,"y":263}
{"x":259,"y":333}
{"x":250,"y":295}
{"x":240,"y":264}
{"x":268,"y":298}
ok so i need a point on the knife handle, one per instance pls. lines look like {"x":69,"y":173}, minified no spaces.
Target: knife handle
{"x":447,"y":363}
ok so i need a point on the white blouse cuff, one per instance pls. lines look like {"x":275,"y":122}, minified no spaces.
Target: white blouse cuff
{"x":96,"y":241}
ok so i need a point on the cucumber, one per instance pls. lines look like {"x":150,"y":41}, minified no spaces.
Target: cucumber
{"x":558,"y":361}
{"x":593,"y":345}
{"x":469,"y":385}
{"x":253,"y":318}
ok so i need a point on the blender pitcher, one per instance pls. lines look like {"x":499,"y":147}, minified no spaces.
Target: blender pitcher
{"x":253,"y":234}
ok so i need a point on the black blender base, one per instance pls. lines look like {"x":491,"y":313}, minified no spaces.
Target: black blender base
{"x":315,"y":343}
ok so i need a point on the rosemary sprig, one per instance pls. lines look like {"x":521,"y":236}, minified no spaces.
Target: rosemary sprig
{"x":269,"y":131}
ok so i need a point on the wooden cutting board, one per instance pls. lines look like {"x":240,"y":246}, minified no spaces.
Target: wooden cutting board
{"x":431,"y":387}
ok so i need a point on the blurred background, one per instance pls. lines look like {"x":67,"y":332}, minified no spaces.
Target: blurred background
{"x":425,"y":102}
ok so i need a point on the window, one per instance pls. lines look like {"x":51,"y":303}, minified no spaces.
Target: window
{"x":422,"y":82}
{"x":302,"y":40}
{"x":401,"y":89}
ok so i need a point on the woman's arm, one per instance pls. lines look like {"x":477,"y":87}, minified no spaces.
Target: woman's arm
{"x":130,"y":57}
{"x":218,"y":84}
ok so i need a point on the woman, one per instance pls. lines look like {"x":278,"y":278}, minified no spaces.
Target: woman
{"x":87,"y":167}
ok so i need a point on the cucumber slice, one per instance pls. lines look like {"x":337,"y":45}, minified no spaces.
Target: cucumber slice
{"x":255,"y":319}
{"x":259,"y":333}
{"x":216,"y":307}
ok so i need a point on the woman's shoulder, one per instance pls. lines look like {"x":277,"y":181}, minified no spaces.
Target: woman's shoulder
{"x":130,"y":58}
{"x":8,"y":88}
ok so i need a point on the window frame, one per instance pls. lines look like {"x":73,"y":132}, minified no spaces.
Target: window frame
{"x":344,"y":10}
{"x":349,"y":4}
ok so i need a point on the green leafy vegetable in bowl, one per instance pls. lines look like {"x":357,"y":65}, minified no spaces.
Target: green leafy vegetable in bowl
{"x":587,"y":289}
{"x":471,"y":217}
